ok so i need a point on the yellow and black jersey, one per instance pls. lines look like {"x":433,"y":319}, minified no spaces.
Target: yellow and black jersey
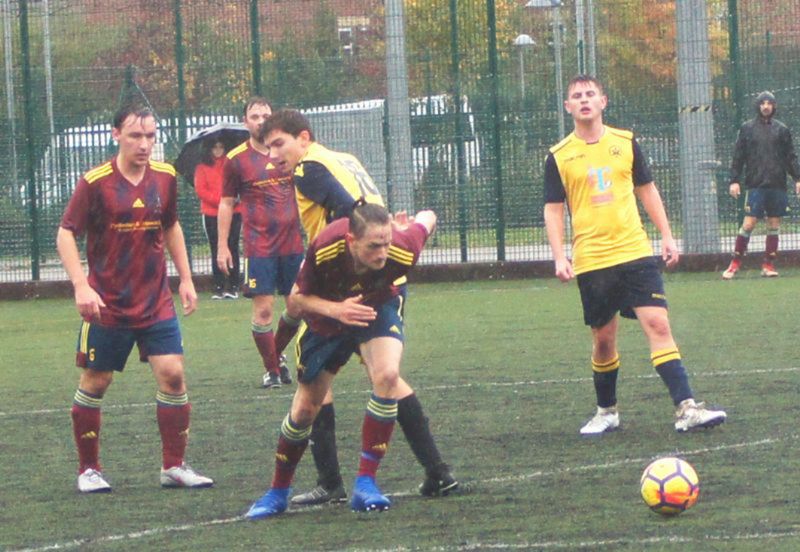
{"x":327,"y":184}
{"x":597,"y":182}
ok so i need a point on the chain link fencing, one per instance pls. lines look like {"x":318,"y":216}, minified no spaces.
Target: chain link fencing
{"x":485,"y":83}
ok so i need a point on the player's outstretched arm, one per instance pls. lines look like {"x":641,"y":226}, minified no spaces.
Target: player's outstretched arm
{"x":350,"y":311}
{"x":427,"y":219}
{"x":651,"y":201}
{"x":224,"y":258}
{"x":554,"y":224}
{"x":173,"y":239}
{"x":87,"y":300}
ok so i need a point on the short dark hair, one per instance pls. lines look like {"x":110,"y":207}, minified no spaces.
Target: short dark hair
{"x":364,"y":214}
{"x":137,"y":110}
{"x":585,"y":79}
{"x":256,"y":100}
{"x":290,"y":121}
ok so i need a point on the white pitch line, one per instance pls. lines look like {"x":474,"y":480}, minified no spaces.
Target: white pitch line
{"x":534,"y":475}
{"x":575,"y":545}
{"x":609,"y":465}
{"x":449,"y":387}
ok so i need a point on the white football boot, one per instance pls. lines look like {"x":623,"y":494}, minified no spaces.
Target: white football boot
{"x":691,"y":415}
{"x":91,"y":481}
{"x":184,"y":476}
{"x":606,"y":419}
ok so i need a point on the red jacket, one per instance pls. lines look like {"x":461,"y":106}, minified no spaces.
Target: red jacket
{"x":208,"y":186}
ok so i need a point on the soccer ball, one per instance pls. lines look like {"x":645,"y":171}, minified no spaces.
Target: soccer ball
{"x":670,"y":486}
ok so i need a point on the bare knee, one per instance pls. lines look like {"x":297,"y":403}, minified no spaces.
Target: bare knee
{"x":604,"y":349}
{"x":385,"y":379}
{"x":658,"y":327}
{"x":263,"y":306}
{"x":303,"y":413}
{"x":262,"y":317}
{"x":604,"y":342}
{"x":95,"y":381}
{"x":171,"y":378}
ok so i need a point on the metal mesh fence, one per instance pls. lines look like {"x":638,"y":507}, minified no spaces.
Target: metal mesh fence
{"x":484,"y":82}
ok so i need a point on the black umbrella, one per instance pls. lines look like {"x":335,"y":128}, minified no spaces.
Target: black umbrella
{"x":230,"y":134}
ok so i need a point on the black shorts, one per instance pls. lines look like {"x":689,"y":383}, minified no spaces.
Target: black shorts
{"x":620,"y":288}
{"x":317,"y":352}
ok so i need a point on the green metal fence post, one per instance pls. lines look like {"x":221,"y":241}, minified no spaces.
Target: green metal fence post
{"x":768,"y":53}
{"x":496,"y":143}
{"x":736,"y":83}
{"x":27,"y":91}
{"x":255,"y":47}
{"x":455,"y":74}
{"x":179,"y":63}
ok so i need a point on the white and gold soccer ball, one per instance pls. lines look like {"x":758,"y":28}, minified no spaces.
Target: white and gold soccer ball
{"x":670,"y":486}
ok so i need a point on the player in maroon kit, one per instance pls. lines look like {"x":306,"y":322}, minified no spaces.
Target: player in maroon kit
{"x":273,"y":245}
{"x":350,"y":304}
{"x":127,"y":208}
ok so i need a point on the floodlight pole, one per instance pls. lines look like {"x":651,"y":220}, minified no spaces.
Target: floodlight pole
{"x":556,"y":6}
{"x":592,"y":68}
{"x":10,"y":103}
{"x":522,"y":42}
{"x":400,"y":181}
{"x":580,"y":36}
{"x":698,"y":155}
{"x":559,"y":69}
{"x":30,"y":150}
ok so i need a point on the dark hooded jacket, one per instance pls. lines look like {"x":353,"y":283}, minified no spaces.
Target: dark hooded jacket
{"x":764,"y":152}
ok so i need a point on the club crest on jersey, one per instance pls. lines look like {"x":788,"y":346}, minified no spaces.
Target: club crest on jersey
{"x":138,"y":204}
{"x":614,"y":151}
{"x":599,"y":179}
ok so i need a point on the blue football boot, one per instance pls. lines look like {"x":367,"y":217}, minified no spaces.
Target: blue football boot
{"x":367,"y":497}
{"x":273,"y":502}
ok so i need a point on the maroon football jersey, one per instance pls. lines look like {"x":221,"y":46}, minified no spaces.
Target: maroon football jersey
{"x":124,"y":227}
{"x":270,"y":223}
{"x":328,"y":271}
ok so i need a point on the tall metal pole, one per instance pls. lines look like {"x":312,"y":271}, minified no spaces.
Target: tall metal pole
{"x":400,"y":169}
{"x":592,"y":46}
{"x":736,"y":83}
{"x":580,"y":36}
{"x":27,"y":91}
{"x":48,"y":65}
{"x":10,"y":104}
{"x":461,"y":162}
{"x":179,"y":63}
{"x":698,"y":161}
{"x":559,"y":70}
{"x":494,"y":76}
{"x":56,"y":180}
{"x":255,"y":47}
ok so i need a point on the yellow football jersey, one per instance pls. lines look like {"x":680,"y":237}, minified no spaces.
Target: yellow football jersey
{"x":350,"y":182}
{"x":598,"y":181}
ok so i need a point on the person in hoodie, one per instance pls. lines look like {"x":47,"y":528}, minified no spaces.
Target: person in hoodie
{"x":208,"y":186}
{"x":763,"y":155}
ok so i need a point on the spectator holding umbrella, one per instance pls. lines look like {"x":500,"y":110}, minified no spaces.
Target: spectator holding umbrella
{"x":208,"y":186}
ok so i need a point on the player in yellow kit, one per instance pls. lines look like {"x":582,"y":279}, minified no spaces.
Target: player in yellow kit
{"x":600,"y":172}
{"x":328,"y":184}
